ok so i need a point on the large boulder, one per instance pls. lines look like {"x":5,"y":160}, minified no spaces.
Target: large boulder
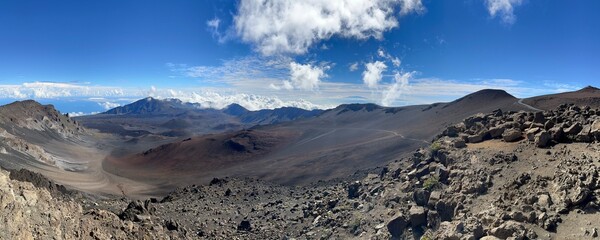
{"x":451,"y":131}
{"x":512,"y":229}
{"x":354,"y":189}
{"x":137,"y":211}
{"x":458,"y":143}
{"x":573,"y":129}
{"x":450,"y":230}
{"x":585,"y":134}
{"x":549,"y":124}
{"x":579,"y":195}
{"x":434,"y":197}
{"x":421,"y":197}
{"x":511,"y":135}
{"x":530,"y":133}
{"x":595,"y":129}
{"x":542,"y":139}
{"x":538,"y":117}
{"x":476,"y":138}
{"x":417,"y":216}
{"x":496,"y":132}
{"x":397,"y":226}
{"x":556,"y":133}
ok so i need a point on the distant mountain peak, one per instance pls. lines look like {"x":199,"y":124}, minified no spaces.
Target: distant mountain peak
{"x":354,"y":107}
{"x":235,"y":109}
{"x":589,"y":88}
{"x":490,"y":91}
{"x":149,"y":105}
{"x":486,"y":95}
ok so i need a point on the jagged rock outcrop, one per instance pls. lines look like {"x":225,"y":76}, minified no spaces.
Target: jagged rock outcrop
{"x":29,"y":212}
{"x":567,"y":123}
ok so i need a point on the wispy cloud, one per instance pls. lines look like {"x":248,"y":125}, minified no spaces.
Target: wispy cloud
{"x":397,"y":88}
{"x":385,"y":55}
{"x":292,"y":27}
{"x":214,"y":27}
{"x":504,"y":9}
{"x":235,"y":70}
{"x":353,"y":67}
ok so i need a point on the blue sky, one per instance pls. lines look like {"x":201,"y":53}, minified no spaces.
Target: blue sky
{"x":314,"y":53}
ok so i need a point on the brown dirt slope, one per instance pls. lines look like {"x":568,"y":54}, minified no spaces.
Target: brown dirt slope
{"x":196,"y":158}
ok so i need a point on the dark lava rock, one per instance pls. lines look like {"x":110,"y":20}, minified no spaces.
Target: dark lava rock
{"x":217,"y":181}
{"x":512,"y":135}
{"x":542,"y":139}
{"x":244,"y":225}
{"x":397,"y":226}
{"x":172,"y":225}
{"x":418,"y":216}
{"x":354,"y":190}
{"x":136,"y":209}
{"x":421,"y":197}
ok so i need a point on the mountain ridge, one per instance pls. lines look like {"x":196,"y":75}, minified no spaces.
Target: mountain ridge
{"x":589,"y":96}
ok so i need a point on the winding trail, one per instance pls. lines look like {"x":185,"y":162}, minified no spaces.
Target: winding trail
{"x":528,"y":106}
{"x":393,"y":134}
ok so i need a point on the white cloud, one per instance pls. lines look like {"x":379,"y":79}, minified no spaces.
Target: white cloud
{"x":373,"y":73}
{"x":409,"y":6}
{"x":305,"y":76}
{"x":283,"y":27}
{"x":353,"y":67}
{"x":396,"y":89}
{"x":77,"y":114}
{"x":109,"y":105}
{"x":395,"y":60}
{"x":503,"y":9}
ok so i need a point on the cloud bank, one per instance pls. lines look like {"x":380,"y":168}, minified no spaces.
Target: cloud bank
{"x":49,"y":90}
{"x":253,"y":102}
{"x":292,"y":27}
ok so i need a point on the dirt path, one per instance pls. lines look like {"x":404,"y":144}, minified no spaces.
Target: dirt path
{"x":528,"y":106}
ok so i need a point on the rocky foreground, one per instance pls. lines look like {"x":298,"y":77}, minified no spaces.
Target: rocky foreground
{"x":513,"y":175}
